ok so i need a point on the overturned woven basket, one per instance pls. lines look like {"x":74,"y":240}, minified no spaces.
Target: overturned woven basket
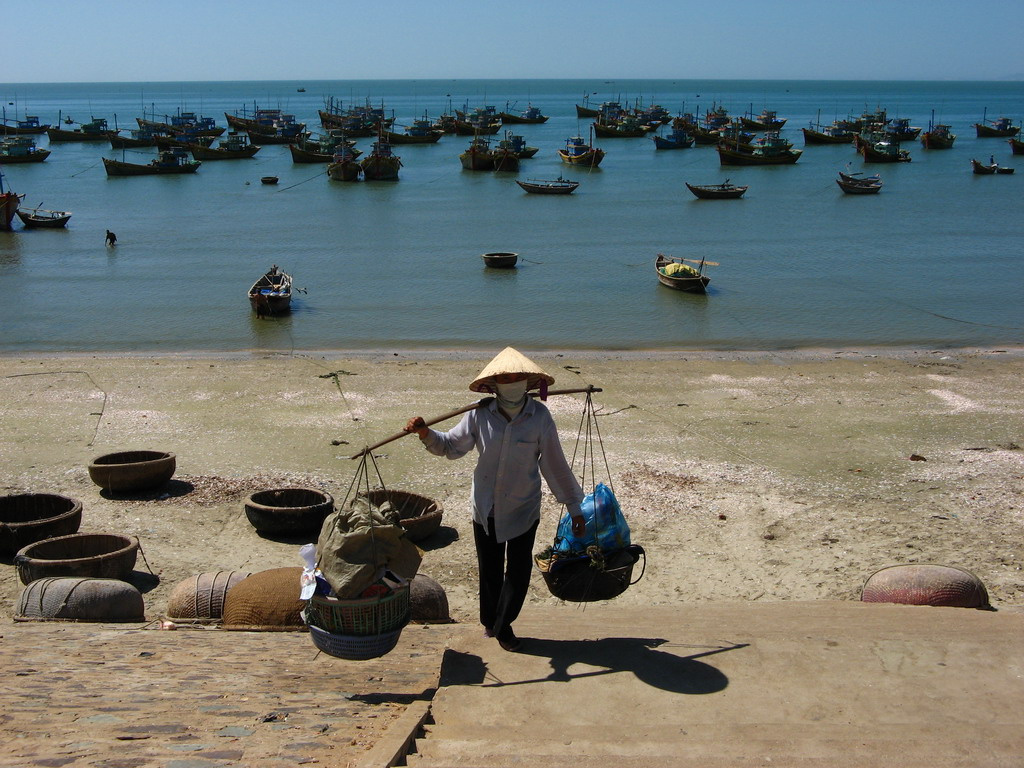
{"x":419,"y":515}
{"x":925,"y":584}
{"x":201,"y":597}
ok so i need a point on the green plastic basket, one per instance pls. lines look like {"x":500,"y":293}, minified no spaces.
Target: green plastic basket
{"x":360,"y":617}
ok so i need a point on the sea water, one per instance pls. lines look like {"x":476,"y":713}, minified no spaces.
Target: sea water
{"x":937,"y":258}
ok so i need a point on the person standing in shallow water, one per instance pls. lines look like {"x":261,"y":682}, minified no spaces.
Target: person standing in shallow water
{"x":111,"y":238}
{"x":516,"y":442}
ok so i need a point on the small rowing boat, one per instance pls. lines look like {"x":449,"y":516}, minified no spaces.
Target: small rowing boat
{"x":272,"y":293}
{"x":39,"y":218}
{"x":557,"y":186}
{"x":723,"y":191}
{"x":680,"y":276}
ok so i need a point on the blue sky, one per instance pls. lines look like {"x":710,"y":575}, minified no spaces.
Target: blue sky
{"x":115,"y":40}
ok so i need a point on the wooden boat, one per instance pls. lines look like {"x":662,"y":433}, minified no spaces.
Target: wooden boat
{"x":768,"y":120}
{"x":1016,"y":146}
{"x":30,"y":126}
{"x":723,"y":191}
{"x":986,"y":170}
{"x":39,"y":218}
{"x":504,"y":158}
{"x":856,"y":184}
{"x":422,"y":131}
{"x":182,"y":122}
{"x":501,"y":259}
{"x":938,"y":136}
{"x":21,"y":149}
{"x":137,"y":138}
{"x":627,"y":127}
{"x":899,"y":129}
{"x":343,"y":166}
{"x":680,"y":276}
{"x":235,"y":146}
{"x":531,"y":115}
{"x":827,"y":134}
{"x":269,"y":180}
{"x":478,"y":156}
{"x":9,"y":203}
{"x":167,"y":162}
{"x":994,"y":129}
{"x":381,"y":164}
{"x":167,"y":141}
{"x":883,"y":152}
{"x":279,"y":136}
{"x":517,"y":145}
{"x":678,"y":138}
{"x":578,"y":152}
{"x":585,"y":110}
{"x":272,"y":293}
{"x":557,"y":186}
{"x":768,"y":150}
{"x":95,"y":130}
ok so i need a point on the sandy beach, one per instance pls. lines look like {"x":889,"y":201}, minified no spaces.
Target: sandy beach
{"x":783,"y":476}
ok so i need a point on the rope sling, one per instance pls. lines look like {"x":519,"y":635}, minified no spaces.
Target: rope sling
{"x":605,"y":568}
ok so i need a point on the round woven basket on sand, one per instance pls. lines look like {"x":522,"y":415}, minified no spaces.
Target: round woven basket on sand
{"x":267,"y":600}
{"x":420,"y":516}
{"x":288,"y":511}
{"x":201,"y":597}
{"x":132,"y":470}
{"x":26,"y":518}
{"x":925,"y":584}
{"x":101,"y":555}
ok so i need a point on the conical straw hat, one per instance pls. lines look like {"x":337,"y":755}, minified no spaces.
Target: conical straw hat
{"x":510,"y":360}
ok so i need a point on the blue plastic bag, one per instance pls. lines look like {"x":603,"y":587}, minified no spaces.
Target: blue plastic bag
{"x":606,"y":526}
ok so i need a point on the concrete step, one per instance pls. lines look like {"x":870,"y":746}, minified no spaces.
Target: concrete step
{"x":982,"y":760}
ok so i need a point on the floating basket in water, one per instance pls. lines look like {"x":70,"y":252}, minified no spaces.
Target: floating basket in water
{"x":354,"y":647}
{"x":363,"y":616}
{"x":419,"y":515}
{"x":584,"y":579}
{"x":26,"y":518}
{"x":102,"y":555}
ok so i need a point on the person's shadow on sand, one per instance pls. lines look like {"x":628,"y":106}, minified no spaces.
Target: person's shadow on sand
{"x":660,"y":669}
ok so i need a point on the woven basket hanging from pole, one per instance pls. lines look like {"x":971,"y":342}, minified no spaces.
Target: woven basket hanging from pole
{"x":369,"y":627}
{"x":596,"y":575}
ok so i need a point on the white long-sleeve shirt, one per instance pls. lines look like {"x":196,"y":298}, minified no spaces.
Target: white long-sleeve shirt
{"x":512,"y":457}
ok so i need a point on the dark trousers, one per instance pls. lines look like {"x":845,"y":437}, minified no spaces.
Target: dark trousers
{"x":505,"y":569}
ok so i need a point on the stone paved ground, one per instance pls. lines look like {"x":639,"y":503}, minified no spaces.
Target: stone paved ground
{"x":110,"y":697}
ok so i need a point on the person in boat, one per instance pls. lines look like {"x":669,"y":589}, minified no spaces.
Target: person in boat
{"x":111,"y":238}
{"x":516,"y":442}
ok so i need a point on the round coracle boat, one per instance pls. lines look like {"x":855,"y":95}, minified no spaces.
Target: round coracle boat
{"x":101,"y":555}
{"x":80,"y":599}
{"x":288,"y":511}
{"x":201,"y":597}
{"x":265,"y":601}
{"x":501,"y":259}
{"x":132,"y":470}
{"x":925,"y":584}
{"x":419,"y":515}
{"x":26,"y":518}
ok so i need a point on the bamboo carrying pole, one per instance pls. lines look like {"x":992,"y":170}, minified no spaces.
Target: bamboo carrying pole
{"x":470,"y":407}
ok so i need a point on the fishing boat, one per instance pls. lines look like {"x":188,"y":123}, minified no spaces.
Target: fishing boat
{"x":1016,"y":146}
{"x":883,"y":152}
{"x":557,"y":186}
{"x":623,"y":127}
{"x":21,"y":149}
{"x":40,"y":218}
{"x":9,"y":202}
{"x":343,"y":166}
{"x":680,"y":275}
{"x":517,"y":145}
{"x":899,"y":129}
{"x":169,"y":161}
{"x":994,"y":129}
{"x":95,"y":130}
{"x":268,"y":180}
{"x":322,"y":149}
{"x":422,"y":131}
{"x":770,"y":149}
{"x":182,"y":140}
{"x":938,"y":135}
{"x":531,"y":115}
{"x":816,"y":133}
{"x":856,"y":184}
{"x":381,"y":164}
{"x":501,"y":259}
{"x":504,"y":158}
{"x":986,"y":170}
{"x":677,"y":138}
{"x":768,"y":120}
{"x":234,"y":146}
{"x":30,"y":126}
{"x":137,"y":138}
{"x":723,"y":191}
{"x":579,"y":152}
{"x":478,"y":156}
{"x":272,"y":293}
{"x":585,"y":110}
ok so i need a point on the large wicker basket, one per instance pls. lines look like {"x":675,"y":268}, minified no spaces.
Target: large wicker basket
{"x":354,"y":647}
{"x":420,"y":516}
{"x":26,"y":518}
{"x":103,"y":555}
{"x":288,"y":511}
{"x":578,"y":580}
{"x":360,"y":617}
{"x":132,"y":470}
